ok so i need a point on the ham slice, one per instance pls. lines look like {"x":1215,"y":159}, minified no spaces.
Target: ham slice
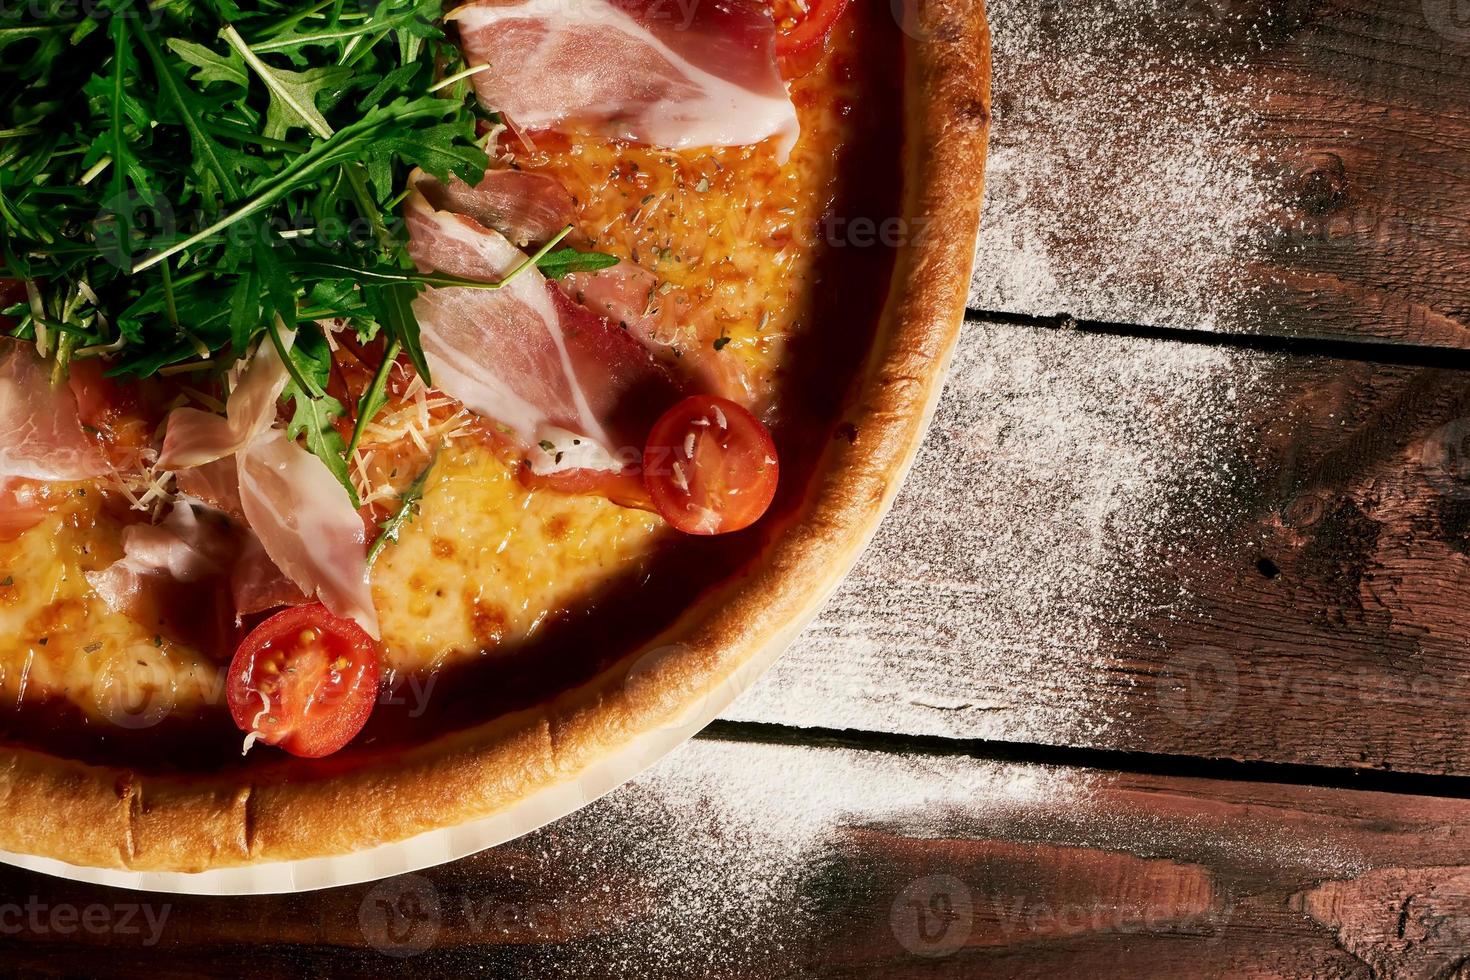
{"x":307,"y":525}
{"x":649,"y":71}
{"x":628,"y":295}
{"x":22,"y":507}
{"x":194,"y":437}
{"x":40,"y":435}
{"x":173,"y":577}
{"x":216,"y":483}
{"x":527,"y":208}
{"x":194,"y":577}
{"x":624,"y":293}
{"x":525,"y":355}
{"x":307,"y":537}
{"x":41,"y":438}
{"x":258,"y":584}
{"x":193,"y":543}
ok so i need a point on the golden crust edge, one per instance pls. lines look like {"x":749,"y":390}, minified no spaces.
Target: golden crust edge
{"x":114,"y":818}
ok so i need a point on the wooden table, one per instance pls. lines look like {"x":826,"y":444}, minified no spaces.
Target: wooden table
{"x":1161,"y":665}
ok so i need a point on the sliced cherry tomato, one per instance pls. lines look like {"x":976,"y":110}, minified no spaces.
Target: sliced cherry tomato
{"x":801,"y":30}
{"x":710,"y":466}
{"x":304,"y":680}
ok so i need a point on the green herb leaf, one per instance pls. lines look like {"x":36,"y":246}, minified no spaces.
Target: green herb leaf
{"x":220,"y":143}
{"x":407,"y":509}
{"x":375,"y":396}
{"x":210,"y":66}
{"x":315,"y":410}
{"x":393,"y":306}
{"x":556,"y":264}
{"x":293,"y":95}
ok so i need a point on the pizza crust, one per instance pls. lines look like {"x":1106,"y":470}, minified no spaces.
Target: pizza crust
{"x":111,"y":817}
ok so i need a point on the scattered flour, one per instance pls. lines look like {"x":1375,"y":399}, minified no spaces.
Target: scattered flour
{"x":749,"y":853}
{"x":1063,"y":474}
{"x":732,"y":838}
{"x":1121,"y":184}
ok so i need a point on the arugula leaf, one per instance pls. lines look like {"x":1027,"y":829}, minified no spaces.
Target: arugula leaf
{"x":126,"y":121}
{"x":407,"y":509}
{"x":210,"y":66}
{"x":315,"y":410}
{"x":293,"y":95}
{"x":393,"y":305}
{"x":311,"y":356}
{"x":397,"y":79}
{"x":375,"y":396}
{"x":556,"y":264}
{"x":244,"y":309}
{"x":346,"y":145}
{"x":439,"y":150}
{"x":213,"y":166}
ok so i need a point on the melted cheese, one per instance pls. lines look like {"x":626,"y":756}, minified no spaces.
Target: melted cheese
{"x":58,"y":638}
{"x":486,"y":560}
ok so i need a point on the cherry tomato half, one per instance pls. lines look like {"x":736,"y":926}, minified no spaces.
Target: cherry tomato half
{"x":710,"y":466}
{"x":800,"y":31}
{"x":304,"y":680}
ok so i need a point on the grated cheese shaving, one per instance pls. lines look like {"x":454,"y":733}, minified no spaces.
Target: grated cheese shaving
{"x":255,"y":732}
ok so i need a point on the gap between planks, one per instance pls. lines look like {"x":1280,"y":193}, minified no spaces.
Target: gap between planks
{"x":1102,"y":760}
{"x":1365,"y":351}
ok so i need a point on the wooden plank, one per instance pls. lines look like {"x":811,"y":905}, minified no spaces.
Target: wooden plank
{"x":1294,"y":169}
{"x":1181,"y":548}
{"x":748,"y":860}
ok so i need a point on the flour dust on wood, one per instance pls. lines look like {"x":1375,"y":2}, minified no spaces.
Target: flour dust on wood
{"x":1122,"y":184}
{"x":1063,"y":475}
{"x":736,"y":859}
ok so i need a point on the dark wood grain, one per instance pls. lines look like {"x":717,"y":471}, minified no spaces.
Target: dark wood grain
{"x":947,"y":867}
{"x":1143,"y":545}
{"x":1294,"y":168}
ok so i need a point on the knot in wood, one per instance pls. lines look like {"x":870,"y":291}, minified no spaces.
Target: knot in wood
{"x":1321,"y":183}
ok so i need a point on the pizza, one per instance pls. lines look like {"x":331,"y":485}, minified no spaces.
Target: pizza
{"x":407,"y":411}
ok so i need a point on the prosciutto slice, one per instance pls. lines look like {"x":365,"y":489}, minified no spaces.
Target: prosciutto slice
{"x":628,"y":295}
{"x":193,"y":577}
{"x":41,"y":437}
{"x":215,"y":483}
{"x":173,"y":577}
{"x":21,"y":508}
{"x":527,"y":208}
{"x":307,"y":525}
{"x":307,"y":539}
{"x":258,"y":584}
{"x":650,"y":71}
{"x":194,"y":438}
{"x":526,"y":355}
